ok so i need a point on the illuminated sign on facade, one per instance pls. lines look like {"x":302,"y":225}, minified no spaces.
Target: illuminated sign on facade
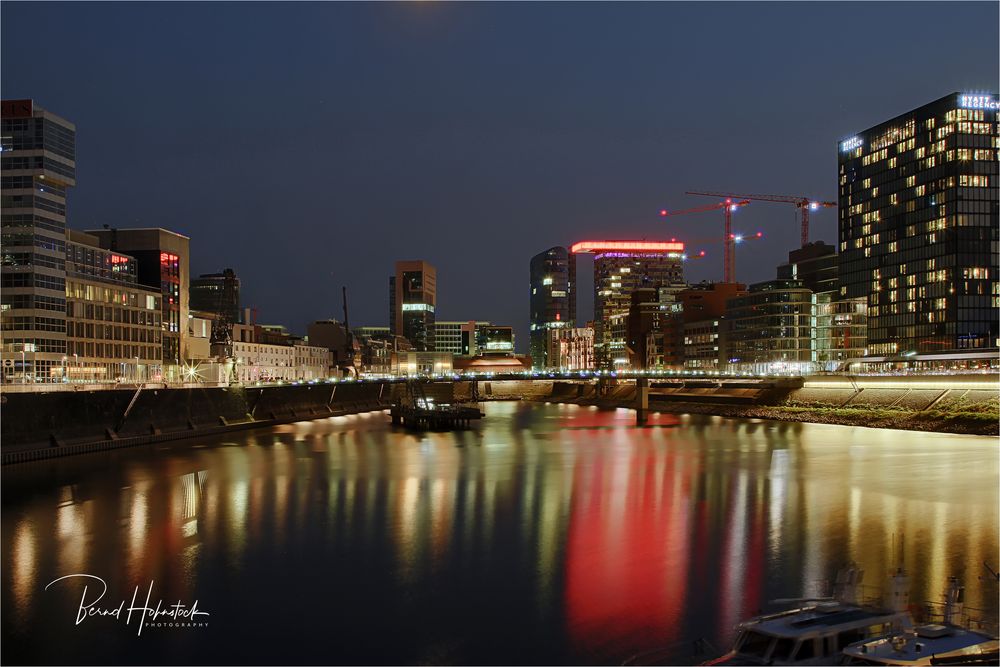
{"x":978,"y":102}
{"x":848,"y":145}
{"x":418,"y":306}
{"x":626,"y":246}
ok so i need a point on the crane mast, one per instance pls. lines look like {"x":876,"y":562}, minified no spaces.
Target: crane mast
{"x":728,"y":238}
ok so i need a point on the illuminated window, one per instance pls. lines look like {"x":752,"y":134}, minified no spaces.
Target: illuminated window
{"x":973,"y":181}
{"x":546,"y":281}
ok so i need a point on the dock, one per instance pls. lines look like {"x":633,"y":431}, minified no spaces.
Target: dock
{"x":442,"y":417}
{"x":416,"y":410}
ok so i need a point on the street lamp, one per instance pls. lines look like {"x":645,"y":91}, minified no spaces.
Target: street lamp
{"x":24,"y":373}
{"x":65,"y":374}
{"x":76,"y":361}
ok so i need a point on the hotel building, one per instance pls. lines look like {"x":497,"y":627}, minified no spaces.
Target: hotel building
{"x":919,"y":230}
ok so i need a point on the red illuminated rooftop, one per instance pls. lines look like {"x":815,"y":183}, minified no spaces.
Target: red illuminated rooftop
{"x":627,"y":246}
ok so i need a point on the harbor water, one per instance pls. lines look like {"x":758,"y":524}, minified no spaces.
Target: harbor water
{"x":546,"y":534}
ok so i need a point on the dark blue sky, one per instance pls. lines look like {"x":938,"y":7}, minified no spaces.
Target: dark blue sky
{"x":310,"y":145}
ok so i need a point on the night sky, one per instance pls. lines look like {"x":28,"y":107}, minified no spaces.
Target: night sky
{"x":309,"y":146}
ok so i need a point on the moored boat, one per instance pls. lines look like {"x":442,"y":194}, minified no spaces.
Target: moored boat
{"x":817,"y":632}
{"x":950,"y":642}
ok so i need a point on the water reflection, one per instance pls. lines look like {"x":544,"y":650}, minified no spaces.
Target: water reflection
{"x":553,"y":534}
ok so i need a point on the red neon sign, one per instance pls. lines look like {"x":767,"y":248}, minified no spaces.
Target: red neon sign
{"x":627,"y":246}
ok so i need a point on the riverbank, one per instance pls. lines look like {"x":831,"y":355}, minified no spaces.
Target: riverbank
{"x":966,"y":423}
{"x":942,"y":409}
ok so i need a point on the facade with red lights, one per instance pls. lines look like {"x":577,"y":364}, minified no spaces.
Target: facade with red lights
{"x":113,"y":324}
{"x":162,"y":258}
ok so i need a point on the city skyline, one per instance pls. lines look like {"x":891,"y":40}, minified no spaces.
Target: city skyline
{"x":395,"y":177}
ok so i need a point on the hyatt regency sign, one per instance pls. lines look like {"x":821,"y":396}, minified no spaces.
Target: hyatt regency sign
{"x":978,"y":102}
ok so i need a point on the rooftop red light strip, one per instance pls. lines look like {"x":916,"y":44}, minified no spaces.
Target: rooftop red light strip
{"x":601,"y":246}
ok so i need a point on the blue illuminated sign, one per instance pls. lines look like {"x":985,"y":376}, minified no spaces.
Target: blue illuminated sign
{"x":848,"y":145}
{"x":978,"y":102}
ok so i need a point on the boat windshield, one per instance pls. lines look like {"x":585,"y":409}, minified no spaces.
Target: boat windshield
{"x":754,"y":644}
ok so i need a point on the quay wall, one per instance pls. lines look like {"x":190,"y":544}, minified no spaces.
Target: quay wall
{"x":70,"y":421}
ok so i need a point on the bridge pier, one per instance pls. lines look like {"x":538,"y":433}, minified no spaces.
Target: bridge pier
{"x":641,"y":401}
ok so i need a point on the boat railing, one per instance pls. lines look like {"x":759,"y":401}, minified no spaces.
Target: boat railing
{"x":970,"y":618}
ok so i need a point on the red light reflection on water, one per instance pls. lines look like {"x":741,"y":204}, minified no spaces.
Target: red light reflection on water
{"x":627,"y":550}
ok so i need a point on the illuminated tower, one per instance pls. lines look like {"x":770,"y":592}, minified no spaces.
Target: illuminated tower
{"x":39,"y":166}
{"x":413,"y":296}
{"x":551,"y":300}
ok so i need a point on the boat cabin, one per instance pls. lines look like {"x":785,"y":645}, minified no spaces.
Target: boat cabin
{"x":814,"y":635}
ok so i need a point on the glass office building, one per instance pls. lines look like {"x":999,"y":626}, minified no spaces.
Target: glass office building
{"x":551,"y":300}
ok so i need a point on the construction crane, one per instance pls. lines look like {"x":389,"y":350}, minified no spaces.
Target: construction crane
{"x":804,"y":204}
{"x":728,"y":238}
{"x":737,"y":239}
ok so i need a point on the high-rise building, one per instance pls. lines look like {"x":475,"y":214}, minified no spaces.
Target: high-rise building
{"x":620,"y":267}
{"x":553,"y":303}
{"x":217,"y":293}
{"x":38,"y":167}
{"x":413,"y":296}
{"x":919,"y":229}
{"x":163,"y":258}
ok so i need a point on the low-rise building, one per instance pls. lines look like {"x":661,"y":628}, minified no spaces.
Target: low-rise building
{"x":415,"y":362}
{"x":701,"y":345}
{"x":312,"y":362}
{"x":571,"y":349}
{"x":841,"y":332}
{"x":703,"y":306}
{"x":770,"y":329}
{"x":459,"y":338}
{"x":113,"y":324}
{"x":260,"y":362}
